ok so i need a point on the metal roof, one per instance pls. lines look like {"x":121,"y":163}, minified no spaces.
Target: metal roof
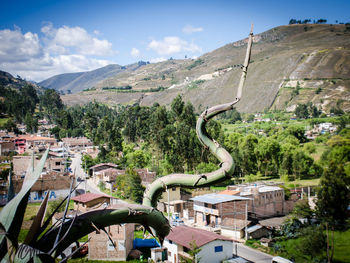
{"x":253,"y":228}
{"x":218,"y":198}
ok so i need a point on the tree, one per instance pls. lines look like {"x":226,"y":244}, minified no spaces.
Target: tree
{"x":177,"y":106}
{"x":268,"y":152}
{"x":332,"y":201}
{"x":247,"y":147}
{"x":302,"y":210}
{"x":301,"y":111}
{"x":313,"y":242}
{"x":51,"y":101}
{"x":137,"y":159}
{"x":129,"y":186}
{"x":193,"y":252}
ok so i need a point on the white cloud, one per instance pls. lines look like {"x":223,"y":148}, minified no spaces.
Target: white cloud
{"x":156,"y":60}
{"x":15,"y":46}
{"x":190,"y":29}
{"x":172,"y":45}
{"x":77,"y":38}
{"x":61,"y":50}
{"x":135,"y":52}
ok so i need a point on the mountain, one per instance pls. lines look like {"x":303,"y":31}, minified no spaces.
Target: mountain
{"x":76,"y":82}
{"x":289,"y":65}
{"x":9,"y":81}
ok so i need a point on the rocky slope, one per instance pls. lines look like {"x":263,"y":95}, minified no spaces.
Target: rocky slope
{"x":290,"y":64}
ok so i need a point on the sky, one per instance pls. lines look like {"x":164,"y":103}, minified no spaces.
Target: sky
{"x":40,"y":39}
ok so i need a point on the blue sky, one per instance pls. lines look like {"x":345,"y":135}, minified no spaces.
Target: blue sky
{"x":39,"y":39}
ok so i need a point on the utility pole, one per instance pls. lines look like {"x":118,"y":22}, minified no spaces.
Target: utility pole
{"x":85,"y":177}
{"x":167,"y":189}
{"x":246,"y":219}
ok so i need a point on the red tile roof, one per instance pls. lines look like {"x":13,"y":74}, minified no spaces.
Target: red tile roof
{"x":184,"y":235}
{"x":84,"y":198}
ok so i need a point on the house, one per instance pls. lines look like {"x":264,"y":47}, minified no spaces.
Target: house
{"x":98,"y":169}
{"x":234,"y":228}
{"x":214,"y":247}
{"x":76,"y":144}
{"x":108,"y":172}
{"x":257,"y":231}
{"x":274,"y":222}
{"x":23,"y":142}
{"x":211,"y":209}
{"x":57,"y":184}
{"x":52,"y":163}
{"x":146,"y":176}
{"x":177,"y":201}
{"x":122,"y":236}
{"x":6,"y":147}
{"x":89,"y":201}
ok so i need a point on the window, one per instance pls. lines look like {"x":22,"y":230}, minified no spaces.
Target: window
{"x":213,"y":206}
{"x":218,"y":249}
{"x":205,"y":204}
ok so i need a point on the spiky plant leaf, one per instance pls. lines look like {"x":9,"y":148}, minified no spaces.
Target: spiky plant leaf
{"x":11,"y":216}
{"x":38,"y":221}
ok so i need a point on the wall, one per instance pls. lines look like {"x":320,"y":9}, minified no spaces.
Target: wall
{"x":38,"y":196}
{"x":172,"y":251}
{"x":208,"y":254}
{"x":231,"y":233}
{"x":101,"y":249}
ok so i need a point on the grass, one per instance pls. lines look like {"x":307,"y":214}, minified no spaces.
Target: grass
{"x":341,"y":246}
{"x":3,"y":121}
{"x":299,"y":183}
{"x":320,"y":149}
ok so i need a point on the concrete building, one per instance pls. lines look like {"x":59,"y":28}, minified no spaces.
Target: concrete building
{"x":212,"y":209}
{"x":214,"y":247}
{"x":265,"y":200}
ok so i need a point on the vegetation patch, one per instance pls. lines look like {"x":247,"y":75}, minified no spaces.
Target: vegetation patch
{"x":196,"y":63}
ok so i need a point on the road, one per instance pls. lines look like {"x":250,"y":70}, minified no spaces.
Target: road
{"x":251,"y":254}
{"x":87,"y":185}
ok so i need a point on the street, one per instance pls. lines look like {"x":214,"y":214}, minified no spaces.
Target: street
{"x":251,"y":254}
{"x":86,"y":185}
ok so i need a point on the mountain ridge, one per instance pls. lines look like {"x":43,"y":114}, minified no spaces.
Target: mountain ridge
{"x":289,"y":65}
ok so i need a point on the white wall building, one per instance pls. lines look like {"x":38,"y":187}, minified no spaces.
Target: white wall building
{"x":214,"y":247}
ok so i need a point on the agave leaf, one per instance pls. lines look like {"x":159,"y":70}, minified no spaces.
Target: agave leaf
{"x":38,"y":221}
{"x":11,"y":216}
{"x":48,"y":220}
{"x":11,"y":190}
